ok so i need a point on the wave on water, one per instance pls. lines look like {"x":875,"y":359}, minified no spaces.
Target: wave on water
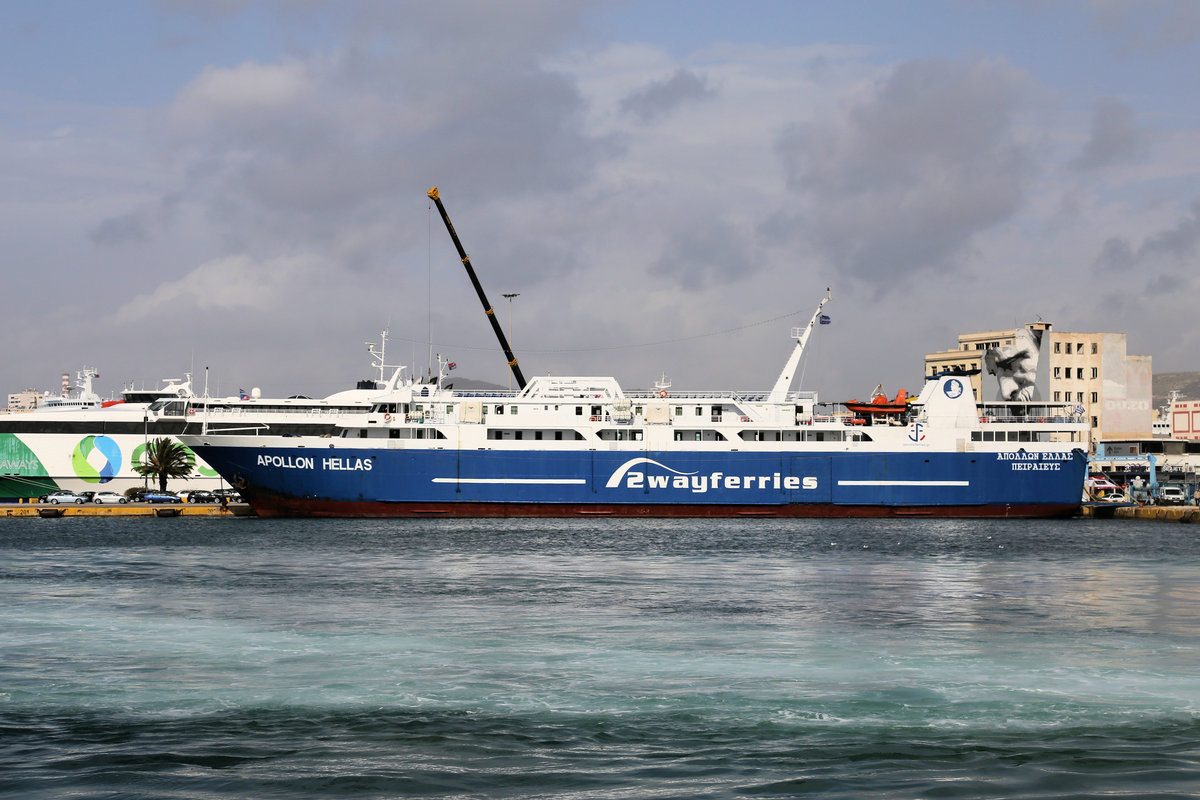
{"x":309,"y":752}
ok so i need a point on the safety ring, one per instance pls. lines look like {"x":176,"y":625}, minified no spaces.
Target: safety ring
{"x":662,"y":392}
{"x":387,"y":417}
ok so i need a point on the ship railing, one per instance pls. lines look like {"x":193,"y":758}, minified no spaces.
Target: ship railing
{"x":1029,"y":413}
{"x":755,"y":396}
{"x":485,"y":393}
{"x":262,"y":427}
{"x":228,"y":411}
{"x":1026,"y":419}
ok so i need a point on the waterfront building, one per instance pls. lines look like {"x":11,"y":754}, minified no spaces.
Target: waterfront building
{"x":24,"y":401}
{"x":1092,"y":371}
{"x":1185,"y":419}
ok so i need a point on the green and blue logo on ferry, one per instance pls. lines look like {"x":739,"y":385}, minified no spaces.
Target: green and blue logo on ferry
{"x":202,"y":469}
{"x":96,"y":459}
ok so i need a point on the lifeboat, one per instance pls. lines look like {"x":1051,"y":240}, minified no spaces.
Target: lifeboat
{"x":879,"y":403}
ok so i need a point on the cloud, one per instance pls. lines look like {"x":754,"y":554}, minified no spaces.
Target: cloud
{"x":1115,"y":136}
{"x":904,"y":179}
{"x":231,"y":284}
{"x":134,"y":227}
{"x":661,"y":97}
{"x":1171,"y":246}
{"x":120,"y":230}
{"x":309,"y":149}
{"x":701,"y":255}
{"x":1148,"y":25}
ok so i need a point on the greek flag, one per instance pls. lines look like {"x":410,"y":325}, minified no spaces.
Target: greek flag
{"x":825,"y":319}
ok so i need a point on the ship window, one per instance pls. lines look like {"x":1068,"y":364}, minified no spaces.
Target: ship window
{"x":512,"y":409}
{"x":518,"y":434}
{"x":558,"y":436}
{"x":699,"y":411}
{"x":637,"y":410}
{"x":621,"y":436}
{"x":579,"y":411}
{"x":976,"y":436}
{"x":394,"y":433}
{"x":499,"y":409}
{"x":679,"y":411}
{"x":537,"y":435}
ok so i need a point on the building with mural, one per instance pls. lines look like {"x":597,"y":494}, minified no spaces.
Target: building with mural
{"x":1092,"y":371}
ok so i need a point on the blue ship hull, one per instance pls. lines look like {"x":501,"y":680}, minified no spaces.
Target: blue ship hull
{"x":381,"y":482}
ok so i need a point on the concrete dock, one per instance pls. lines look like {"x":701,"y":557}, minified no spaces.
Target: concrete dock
{"x":1186,"y":514}
{"x":126,"y":510}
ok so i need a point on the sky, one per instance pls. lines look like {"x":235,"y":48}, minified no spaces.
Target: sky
{"x":237,"y":189}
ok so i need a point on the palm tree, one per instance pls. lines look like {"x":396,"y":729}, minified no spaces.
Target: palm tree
{"x":164,"y":458}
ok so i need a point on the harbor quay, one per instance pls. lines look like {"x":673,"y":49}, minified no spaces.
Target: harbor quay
{"x":1184,"y":514}
{"x":125,"y":510}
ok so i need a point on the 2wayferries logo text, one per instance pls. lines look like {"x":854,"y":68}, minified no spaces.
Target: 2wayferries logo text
{"x":627,"y":477}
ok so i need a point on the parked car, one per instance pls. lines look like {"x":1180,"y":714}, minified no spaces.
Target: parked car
{"x":198,"y":496}
{"x":155,"y":496}
{"x":1171,"y":496}
{"x":230,"y":496}
{"x":1099,"y":487}
{"x":108,"y":497}
{"x":62,"y":496}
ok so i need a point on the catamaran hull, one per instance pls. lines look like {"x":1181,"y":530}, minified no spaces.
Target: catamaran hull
{"x":381,"y":482}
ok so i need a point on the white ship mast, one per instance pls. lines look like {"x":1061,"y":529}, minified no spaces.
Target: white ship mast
{"x":784,"y":383}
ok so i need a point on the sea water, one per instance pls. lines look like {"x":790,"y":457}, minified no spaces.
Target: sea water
{"x":247,"y":658}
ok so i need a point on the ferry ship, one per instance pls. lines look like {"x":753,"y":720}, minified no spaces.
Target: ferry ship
{"x":80,"y":442}
{"x":583,"y":446}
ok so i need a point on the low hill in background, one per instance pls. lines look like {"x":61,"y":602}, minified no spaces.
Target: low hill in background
{"x":1186,"y":383}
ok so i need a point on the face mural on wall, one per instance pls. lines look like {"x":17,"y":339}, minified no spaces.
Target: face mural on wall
{"x":1015,"y":366}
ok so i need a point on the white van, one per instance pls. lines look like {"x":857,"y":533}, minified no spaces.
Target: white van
{"x":1171,"y":496}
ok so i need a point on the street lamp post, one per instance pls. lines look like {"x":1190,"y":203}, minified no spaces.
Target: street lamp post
{"x":145,"y":445}
{"x":510,"y":297}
